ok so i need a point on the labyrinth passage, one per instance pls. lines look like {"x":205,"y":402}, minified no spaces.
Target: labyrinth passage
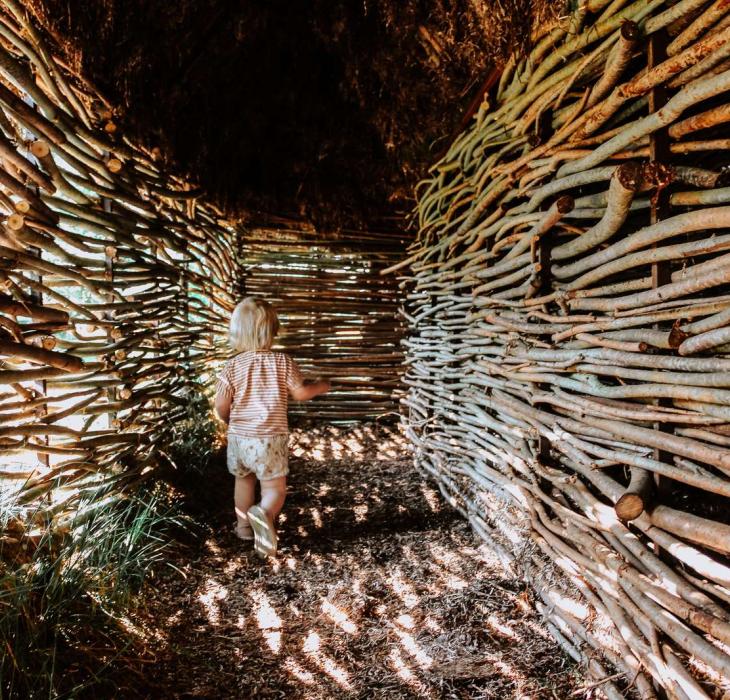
{"x":380,"y":591}
{"x":502,"y":232}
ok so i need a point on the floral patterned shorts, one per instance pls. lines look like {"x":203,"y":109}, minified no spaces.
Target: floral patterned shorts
{"x":266,"y":457}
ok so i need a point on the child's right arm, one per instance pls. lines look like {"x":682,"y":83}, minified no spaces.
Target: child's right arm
{"x":310,"y":389}
{"x":301,"y":389}
{"x":224,"y":394}
{"x":223,"y":407}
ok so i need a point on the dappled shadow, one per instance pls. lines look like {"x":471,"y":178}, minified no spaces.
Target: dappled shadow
{"x":335,"y":502}
{"x":379,"y":591}
{"x":342,"y":485}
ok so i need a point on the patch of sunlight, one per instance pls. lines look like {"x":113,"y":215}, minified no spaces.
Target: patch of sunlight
{"x":405,"y":621}
{"x":508,"y":671}
{"x":410,"y":645}
{"x":515,"y":536}
{"x":405,"y":673}
{"x":354,"y":446}
{"x":447,"y":562}
{"x":212,"y":547}
{"x":232,"y":566}
{"x":447,"y":558}
{"x":298,"y":672}
{"x":338,"y":616}
{"x":434,"y":503}
{"x":130,"y":627}
{"x":301,"y":531}
{"x":291,"y":564}
{"x":361,"y":512}
{"x":455,"y":583}
{"x":403,"y":589}
{"x":273,"y":640}
{"x":174,"y":618}
{"x":316,"y":517}
{"x":701,"y":667}
{"x":484,"y":554}
{"x":430,"y":624}
{"x":324,"y":489}
{"x":701,"y":562}
{"x":312,"y":643}
{"x":498,"y":626}
{"x":337,"y":449}
{"x":312,"y":647}
{"x":569,"y":605}
{"x":268,"y":621}
{"x":568,"y":565}
{"x":336,"y":673}
{"x":212,"y":594}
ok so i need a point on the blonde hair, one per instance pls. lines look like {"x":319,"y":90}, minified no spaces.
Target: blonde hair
{"x":254,"y":325}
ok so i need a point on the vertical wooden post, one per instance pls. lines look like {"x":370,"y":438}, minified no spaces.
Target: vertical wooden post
{"x":659,"y":148}
{"x":37,"y":297}
{"x":659,"y":154}
{"x":241,"y":252}
{"x":111,"y":392}
{"x":185,"y":290}
{"x":543,"y":252}
{"x":41,"y":385}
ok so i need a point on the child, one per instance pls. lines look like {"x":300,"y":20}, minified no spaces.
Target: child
{"x":252,"y":397}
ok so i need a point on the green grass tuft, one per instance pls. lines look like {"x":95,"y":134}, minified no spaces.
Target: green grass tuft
{"x":63,"y":595}
{"x":196,"y":438}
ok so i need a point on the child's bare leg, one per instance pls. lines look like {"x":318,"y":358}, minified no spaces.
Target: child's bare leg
{"x":244,"y":495}
{"x":273,"y":495}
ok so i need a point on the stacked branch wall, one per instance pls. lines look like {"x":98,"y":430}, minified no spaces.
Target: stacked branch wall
{"x":568,"y":298}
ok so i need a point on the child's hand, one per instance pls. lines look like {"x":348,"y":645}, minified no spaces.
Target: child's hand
{"x":310,"y":389}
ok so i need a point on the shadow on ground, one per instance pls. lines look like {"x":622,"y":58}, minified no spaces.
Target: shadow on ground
{"x":379,"y":591}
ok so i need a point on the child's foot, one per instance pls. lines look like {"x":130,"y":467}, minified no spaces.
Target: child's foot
{"x":243,"y":532}
{"x":265,"y":541}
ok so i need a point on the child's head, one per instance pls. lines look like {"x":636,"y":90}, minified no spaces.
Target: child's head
{"x":254,"y":325}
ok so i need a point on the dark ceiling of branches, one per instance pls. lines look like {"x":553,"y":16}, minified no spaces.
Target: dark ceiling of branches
{"x":327,"y":109}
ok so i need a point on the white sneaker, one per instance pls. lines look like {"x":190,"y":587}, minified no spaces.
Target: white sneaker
{"x":264,"y":533}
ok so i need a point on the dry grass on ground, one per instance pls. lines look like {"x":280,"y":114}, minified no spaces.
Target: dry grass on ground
{"x":380,"y":591}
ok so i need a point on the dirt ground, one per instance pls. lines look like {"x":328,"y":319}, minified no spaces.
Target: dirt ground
{"x":380,"y":590}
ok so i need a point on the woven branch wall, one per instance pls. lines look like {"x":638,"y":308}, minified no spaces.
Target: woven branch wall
{"x":339,"y":315}
{"x":569,"y":358}
{"x":117,"y":283}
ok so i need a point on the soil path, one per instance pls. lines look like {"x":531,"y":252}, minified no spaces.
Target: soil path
{"x":380,"y":590}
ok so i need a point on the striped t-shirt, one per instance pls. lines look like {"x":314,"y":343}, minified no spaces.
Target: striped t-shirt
{"x":258,"y":384}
